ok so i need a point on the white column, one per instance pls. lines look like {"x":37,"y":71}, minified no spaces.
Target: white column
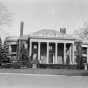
{"x":64,"y":53}
{"x":10,"y":49}
{"x":87,"y":55}
{"x":70,"y":55}
{"x":85,"y":64}
{"x":47,"y":61}
{"x":73,"y":59}
{"x":39,"y":51}
{"x":30,"y":50}
{"x":55,"y":53}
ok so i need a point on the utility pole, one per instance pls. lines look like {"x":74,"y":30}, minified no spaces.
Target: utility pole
{"x":19,"y":46}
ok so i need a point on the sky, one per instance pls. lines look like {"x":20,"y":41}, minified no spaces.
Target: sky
{"x":45,"y":14}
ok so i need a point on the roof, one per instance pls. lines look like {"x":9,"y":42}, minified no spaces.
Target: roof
{"x":15,"y":38}
{"x":11,"y":38}
{"x":46,"y":33}
{"x":49,"y":33}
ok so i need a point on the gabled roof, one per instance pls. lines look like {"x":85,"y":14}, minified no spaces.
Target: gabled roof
{"x":49,"y":33}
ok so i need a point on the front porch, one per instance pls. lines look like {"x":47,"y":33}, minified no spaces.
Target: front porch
{"x":53,"y":52}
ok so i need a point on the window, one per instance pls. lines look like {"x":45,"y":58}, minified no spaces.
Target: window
{"x":84,"y":50}
{"x":14,"y":47}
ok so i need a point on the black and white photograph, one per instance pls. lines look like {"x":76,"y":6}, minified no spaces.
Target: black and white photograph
{"x":43,"y":43}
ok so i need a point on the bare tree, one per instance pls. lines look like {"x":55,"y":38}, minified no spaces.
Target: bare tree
{"x":83,"y":35}
{"x":5,"y":19}
{"x":82,"y":32}
{"x":5,"y":15}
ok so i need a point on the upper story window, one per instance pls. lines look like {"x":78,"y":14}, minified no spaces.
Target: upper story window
{"x":14,"y":48}
{"x":84,"y":50}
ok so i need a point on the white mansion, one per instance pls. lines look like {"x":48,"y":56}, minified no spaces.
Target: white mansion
{"x":50,"y":46}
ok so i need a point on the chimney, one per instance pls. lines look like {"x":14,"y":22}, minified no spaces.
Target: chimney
{"x":63,"y":30}
{"x":21,"y":28}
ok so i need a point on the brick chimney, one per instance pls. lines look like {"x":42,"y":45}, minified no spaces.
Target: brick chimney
{"x":63,"y":30}
{"x":21,"y":28}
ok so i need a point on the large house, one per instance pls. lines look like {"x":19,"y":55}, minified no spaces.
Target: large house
{"x":51,"y":46}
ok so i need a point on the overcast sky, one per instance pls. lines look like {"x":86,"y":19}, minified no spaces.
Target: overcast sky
{"x":46,"y":14}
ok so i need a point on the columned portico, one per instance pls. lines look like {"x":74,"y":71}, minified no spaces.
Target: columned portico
{"x":58,"y":55}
